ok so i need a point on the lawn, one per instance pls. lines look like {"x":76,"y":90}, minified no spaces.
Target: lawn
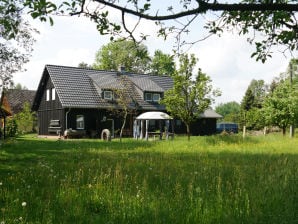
{"x":215,"y":179}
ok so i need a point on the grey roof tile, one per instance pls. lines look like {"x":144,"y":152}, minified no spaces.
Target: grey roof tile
{"x":80,"y":87}
{"x":16,"y":98}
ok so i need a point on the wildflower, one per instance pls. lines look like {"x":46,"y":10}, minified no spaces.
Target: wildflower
{"x":0,"y":183}
{"x":20,"y":218}
{"x":24,"y":204}
{"x":2,"y":222}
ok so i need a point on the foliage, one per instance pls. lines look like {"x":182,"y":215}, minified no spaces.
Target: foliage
{"x":124,"y":100}
{"x":125,"y":53}
{"x":162,"y":64}
{"x":16,"y":40}
{"x":254,"y":95}
{"x":84,"y":65}
{"x":190,"y":96}
{"x":11,"y":127}
{"x":20,"y":87}
{"x":277,"y":26}
{"x":280,"y":108}
{"x":254,"y":119}
{"x":215,"y":179}
{"x":274,"y":20}
{"x":26,"y":120}
{"x":230,"y":111}
{"x":251,"y":104}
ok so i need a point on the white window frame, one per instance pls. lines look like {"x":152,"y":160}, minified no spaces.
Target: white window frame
{"x":48,"y":95}
{"x":107,"y":96}
{"x":80,"y":122}
{"x":146,"y":97}
{"x":154,"y":95}
{"x":53,"y":94}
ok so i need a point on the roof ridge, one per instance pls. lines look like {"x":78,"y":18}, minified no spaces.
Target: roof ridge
{"x":74,"y":67}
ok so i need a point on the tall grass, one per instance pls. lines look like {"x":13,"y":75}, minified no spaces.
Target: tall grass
{"x":216,"y":179}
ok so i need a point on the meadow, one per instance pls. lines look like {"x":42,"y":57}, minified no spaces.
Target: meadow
{"x":215,"y":179}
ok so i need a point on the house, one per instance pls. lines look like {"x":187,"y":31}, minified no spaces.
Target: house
{"x":5,"y":112}
{"x":16,"y":98}
{"x":84,"y":100}
{"x":12,"y":102}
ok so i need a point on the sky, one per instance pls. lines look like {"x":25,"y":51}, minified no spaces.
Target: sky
{"x":225,"y":59}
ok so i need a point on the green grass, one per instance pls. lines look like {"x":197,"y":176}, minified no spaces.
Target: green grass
{"x":216,"y":179}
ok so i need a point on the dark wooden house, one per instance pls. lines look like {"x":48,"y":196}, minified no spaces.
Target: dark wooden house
{"x":87,"y":100}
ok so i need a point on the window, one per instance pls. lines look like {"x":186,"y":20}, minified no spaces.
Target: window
{"x":108,"y":95}
{"x":48,"y":95}
{"x":53,"y":94}
{"x":148,"y":96}
{"x":80,"y":122}
{"x":156,"y":97}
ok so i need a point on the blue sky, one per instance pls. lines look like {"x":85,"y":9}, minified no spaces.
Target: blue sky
{"x":225,"y":59}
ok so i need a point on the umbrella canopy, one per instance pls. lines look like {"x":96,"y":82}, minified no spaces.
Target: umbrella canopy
{"x":154,"y":115}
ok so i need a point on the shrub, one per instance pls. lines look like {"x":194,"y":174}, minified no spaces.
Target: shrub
{"x":11,"y":127}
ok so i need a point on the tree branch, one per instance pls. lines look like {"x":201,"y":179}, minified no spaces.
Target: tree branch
{"x":205,"y":6}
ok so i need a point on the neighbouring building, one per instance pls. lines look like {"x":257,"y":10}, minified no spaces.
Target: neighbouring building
{"x":12,"y":102}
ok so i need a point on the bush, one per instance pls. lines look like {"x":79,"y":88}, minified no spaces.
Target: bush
{"x":11,"y":127}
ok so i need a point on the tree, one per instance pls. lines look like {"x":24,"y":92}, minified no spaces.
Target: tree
{"x":275,"y":20}
{"x":124,"y":100}
{"x":190,"y":96}
{"x":162,"y":64}
{"x":20,"y":87}
{"x":134,"y":57}
{"x":254,"y":95}
{"x":16,"y":40}
{"x":252,"y":102}
{"x":84,"y":65}
{"x":280,"y":108}
{"x":25,"y":119}
{"x":230,"y":111}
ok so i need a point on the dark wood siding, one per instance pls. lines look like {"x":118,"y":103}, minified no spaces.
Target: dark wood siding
{"x":204,"y":126}
{"x":49,"y":110}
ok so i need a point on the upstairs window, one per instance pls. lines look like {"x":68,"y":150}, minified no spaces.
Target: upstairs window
{"x":53,"y":94}
{"x":152,"y":97}
{"x":108,"y":95}
{"x":148,"y":96}
{"x":48,"y":95}
{"x":80,"y":122}
{"x":156,"y":97}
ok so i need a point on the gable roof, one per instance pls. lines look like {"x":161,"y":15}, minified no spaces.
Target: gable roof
{"x":82,"y":87}
{"x":210,"y":114}
{"x":17,"y":97}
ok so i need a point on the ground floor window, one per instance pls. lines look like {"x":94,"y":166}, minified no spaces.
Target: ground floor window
{"x":80,"y":122}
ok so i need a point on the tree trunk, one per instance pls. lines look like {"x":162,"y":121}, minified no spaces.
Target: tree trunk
{"x":188,"y":132}
{"x":123,"y":125}
{"x":284,"y":131}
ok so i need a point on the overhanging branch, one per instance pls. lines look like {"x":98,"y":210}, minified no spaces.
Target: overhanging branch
{"x":205,"y":6}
